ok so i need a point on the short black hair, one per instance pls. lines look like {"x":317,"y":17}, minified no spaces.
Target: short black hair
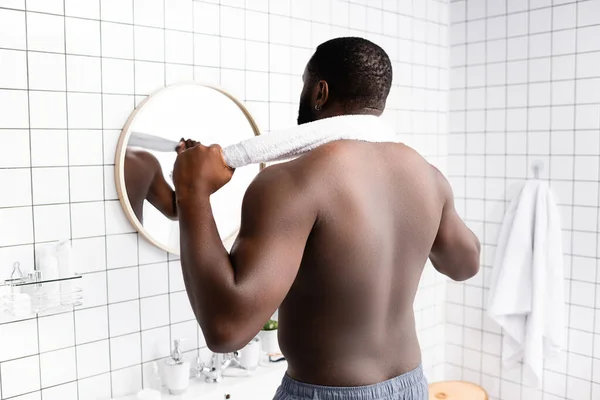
{"x":358,"y":72}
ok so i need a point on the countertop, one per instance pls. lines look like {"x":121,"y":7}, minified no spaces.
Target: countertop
{"x":237,"y":383}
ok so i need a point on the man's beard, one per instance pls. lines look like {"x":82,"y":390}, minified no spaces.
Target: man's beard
{"x":305,"y":113}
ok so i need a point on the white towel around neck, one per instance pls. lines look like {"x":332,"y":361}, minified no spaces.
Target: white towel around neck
{"x":291,"y":143}
{"x":527,"y":287}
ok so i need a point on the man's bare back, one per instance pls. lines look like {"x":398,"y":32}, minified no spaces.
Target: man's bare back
{"x":337,"y":239}
{"x":348,"y":318}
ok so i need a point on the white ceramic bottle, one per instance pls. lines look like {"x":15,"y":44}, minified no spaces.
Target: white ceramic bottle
{"x":177,"y":371}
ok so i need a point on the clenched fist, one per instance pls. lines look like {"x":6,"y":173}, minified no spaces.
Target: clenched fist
{"x":200,"y":169}
{"x":185,"y":144}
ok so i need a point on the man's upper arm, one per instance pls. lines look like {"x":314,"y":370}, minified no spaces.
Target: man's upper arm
{"x":455,"y":251}
{"x":277,"y":217}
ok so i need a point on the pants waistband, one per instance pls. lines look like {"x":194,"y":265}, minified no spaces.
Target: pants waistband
{"x":411,"y":381}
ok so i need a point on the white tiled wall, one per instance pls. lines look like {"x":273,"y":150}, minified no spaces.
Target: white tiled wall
{"x":525,"y":86}
{"x":71,"y":71}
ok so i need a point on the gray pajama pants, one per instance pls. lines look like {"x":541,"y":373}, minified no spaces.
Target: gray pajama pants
{"x":409,"y":386}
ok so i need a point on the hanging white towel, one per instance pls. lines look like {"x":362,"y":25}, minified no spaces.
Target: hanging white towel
{"x":527,"y":287}
{"x":291,"y":143}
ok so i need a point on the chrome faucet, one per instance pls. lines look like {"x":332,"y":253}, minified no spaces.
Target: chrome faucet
{"x":213,"y":372}
{"x":247,"y":359}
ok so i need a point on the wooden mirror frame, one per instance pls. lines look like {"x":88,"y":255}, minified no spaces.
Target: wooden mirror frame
{"x":120,"y":159}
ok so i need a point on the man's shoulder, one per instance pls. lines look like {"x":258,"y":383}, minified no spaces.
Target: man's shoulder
{"x":273,"y":178}
{"x":277,"y":187}
{"x":142,"y":156}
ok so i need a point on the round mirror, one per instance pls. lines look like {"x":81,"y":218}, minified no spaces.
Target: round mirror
{"x":147,"y":150}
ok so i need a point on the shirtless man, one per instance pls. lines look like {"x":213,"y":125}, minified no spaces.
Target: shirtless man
{"x":144,"y":180}
{"x":337,"y":239}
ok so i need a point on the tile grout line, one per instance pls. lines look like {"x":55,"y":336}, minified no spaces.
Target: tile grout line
{"x":462,"y":286}
{"x":164,"y":5}
{"x":106,"y":280}
{"x":68,"y":133}
{"x":528,"y":139}
{"x":500,"y":372}
{"x":194,"y":78}
{"x":482,"y":271}
{"x":551,"y":107}
{"x":508,"y":37}
{"x":568,"y":335}
{"x":597,"y":275}
{"x":37,"y":324}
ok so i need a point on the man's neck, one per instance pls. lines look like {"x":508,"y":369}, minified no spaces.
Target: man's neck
{"x":360,"y":111}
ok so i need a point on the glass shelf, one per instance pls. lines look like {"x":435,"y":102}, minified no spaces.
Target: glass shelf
{"x":24,"y":297}
{"x":28,"y":281}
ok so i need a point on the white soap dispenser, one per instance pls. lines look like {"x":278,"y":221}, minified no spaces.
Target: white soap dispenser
{"x":177,"y":371}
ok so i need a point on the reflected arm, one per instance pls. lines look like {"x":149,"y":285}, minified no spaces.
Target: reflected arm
{"x":233,"y":295}
{"x":144,"y":180}
{"x":162,"y":196}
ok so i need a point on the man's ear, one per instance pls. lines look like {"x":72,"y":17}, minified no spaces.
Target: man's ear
{"x":322,"y":94}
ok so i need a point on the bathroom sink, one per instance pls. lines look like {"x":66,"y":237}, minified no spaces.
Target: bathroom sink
{"x":238,"y":384}
{"x":256,"y":387}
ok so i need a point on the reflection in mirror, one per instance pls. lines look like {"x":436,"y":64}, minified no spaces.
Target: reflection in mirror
{"x":165,"y":124}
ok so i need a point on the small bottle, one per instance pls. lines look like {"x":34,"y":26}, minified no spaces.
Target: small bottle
{"x":16,"y":272}
{"x":4,"y":292}
{"x":39,"y":296}
{"x":155,"y":381}
{"x":16,"y":275}
{"x":11,"y":293}
{"x":15,"y":301}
